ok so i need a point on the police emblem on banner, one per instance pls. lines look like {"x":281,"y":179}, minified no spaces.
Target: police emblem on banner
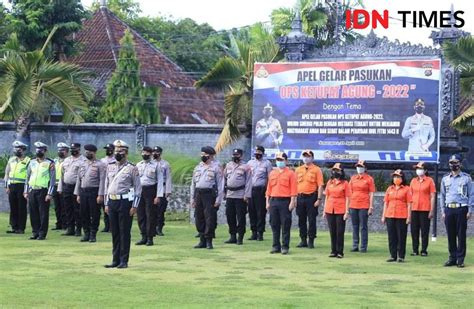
{"x":428,"y":69}
{"x":262,"y":72}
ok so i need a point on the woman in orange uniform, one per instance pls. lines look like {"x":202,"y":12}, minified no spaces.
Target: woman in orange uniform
{"x":396,"y":214}
{"x":423,"y":190}
{"x":336,"y":209}
{"x":362,"y":196}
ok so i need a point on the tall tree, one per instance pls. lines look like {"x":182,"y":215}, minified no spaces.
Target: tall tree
{"x":320,"y":18}
{"x":33,"y":20}
{"x":461,"y":55}
{"x":128,"y":101}
{"x":3,"y":24}
{"x":234,"y":74}
{"x":30,"y":83}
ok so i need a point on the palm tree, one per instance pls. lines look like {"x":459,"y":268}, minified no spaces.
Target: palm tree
{"x":461,"y":55}
{"x":320,"y":19}
{"x":30,"y":84}
{"x":234,"y":74}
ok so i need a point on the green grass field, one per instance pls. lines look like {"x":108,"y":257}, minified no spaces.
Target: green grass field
{"x":62,"y":272}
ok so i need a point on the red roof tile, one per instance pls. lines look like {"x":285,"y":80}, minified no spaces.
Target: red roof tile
{"x":180,"y":102}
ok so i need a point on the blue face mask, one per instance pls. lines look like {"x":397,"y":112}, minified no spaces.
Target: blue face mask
{"x":280,"y":164}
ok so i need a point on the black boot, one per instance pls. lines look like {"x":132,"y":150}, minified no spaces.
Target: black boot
{"x":93,"y":237}
{"x":201,"y":244}
{"x":149,"y":241}
{"x":254,"y":236}
{"x":69,"y":232}
{"x":209,"y":243}
{"x":303,"y":243}
{"x":260,"y":236}
{"x":311,"y":243}
{"x":231,"y":240}
{"x":159,"y":231}
{"x":141,"y":242}
{"x":240,"y":240}
{"x":86,"y":237}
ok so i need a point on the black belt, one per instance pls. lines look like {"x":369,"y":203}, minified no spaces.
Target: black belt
{"x":235,"y":188}
{"x":90,"y":189}
{"x":149,"y":187}
{"x":259,"y":187}
{"x":280,"y":198}
{"x":204,"y":190}
{"x":306,"y":195}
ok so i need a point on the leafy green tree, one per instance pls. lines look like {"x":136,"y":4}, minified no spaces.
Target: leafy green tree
{"x":128,"y":101}
{"x":234,"y":74}
{"x":31,"y":83}
{"x":33,"y":20}
{"x":461,"y":55}
{"x":3,"y":24}
{"x":125,"y":9}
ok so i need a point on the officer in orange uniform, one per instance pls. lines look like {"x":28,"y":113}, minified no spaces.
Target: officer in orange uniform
{"x":362,"y":197}
{"x":423,"y":190}
{"x":396,"y":213}
{"x":310,"y":190}
{"x":336,"y":209}
{"x":281,"y":200}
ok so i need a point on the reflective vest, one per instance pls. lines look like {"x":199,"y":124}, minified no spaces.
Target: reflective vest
{"x":39,"y":174}
{"x":18,"y":170}
{"x":58,"y":162}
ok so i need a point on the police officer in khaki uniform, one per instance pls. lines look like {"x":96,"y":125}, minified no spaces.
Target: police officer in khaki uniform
{"x":151,"y":179}
{"x":15,"y":178}
{"x":238,"y":190}
{"x":63,"y":151}
{"x":109,"y":158}
{"x":207,"y":191}
{"x":69,"y":174}
{"x":168,"y":187}
{"x":261,"y":168}
{"x":123,"y":191}
{"x":40,"y":178}
{"x":90,"y":192}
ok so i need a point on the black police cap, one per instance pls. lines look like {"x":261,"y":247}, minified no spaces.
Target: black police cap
{"x":158,"y":149}
{"x":209,"y":150}
{"x":261,"y":148}
{"x":109,"y":146}
{"x":90,"y":147}
{"x":75,"y":145}
{"x":238,"y":151}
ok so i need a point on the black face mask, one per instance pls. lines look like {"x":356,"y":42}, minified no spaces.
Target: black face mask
{"x":454,"y":167}
{"x":146,"y":157}
{"x":89,"y":156}
{"x":419,"y":109}
{"x":40,"y":153}
{"x":75,"y":152}
{"x":204,"y":158}
{"x":19,"y":153}
{"x":236,"y":159}
{"x":109,"y":152}
{"x":336,"y":175}
{"x":156,"y":156}
{"x":118,"y":156}
{"x":258,"y":156}
{"x":61,"y":154}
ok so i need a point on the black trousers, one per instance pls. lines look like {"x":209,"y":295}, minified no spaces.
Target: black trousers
{"x":280,"y":221}
{"x":397,"y":236}
{"x":146,"y":212}
{"x":257,"y":210}
{"x":337,"y":227}
{"x":160,"y":214}
{"x":420,"y":222}
{"x":456,"y":226}
{"x":90,"y":210}
{"x":206,"y":213}
{"x":235,"y":211}
{"x":71,"y":208}
{"x":307,"y":215}
{"x":59,"y":208}
{"x":121,"y":225}
{"x":18,"y":212}
{"x":39,"y":212}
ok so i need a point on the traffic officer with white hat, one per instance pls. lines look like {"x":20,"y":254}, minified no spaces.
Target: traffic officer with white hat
{"x":15,"y":178}
{"x":40,"y":179}
{"x":457,"y":206}
{"x":63,"y":151}
{"x":122,"y":191}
